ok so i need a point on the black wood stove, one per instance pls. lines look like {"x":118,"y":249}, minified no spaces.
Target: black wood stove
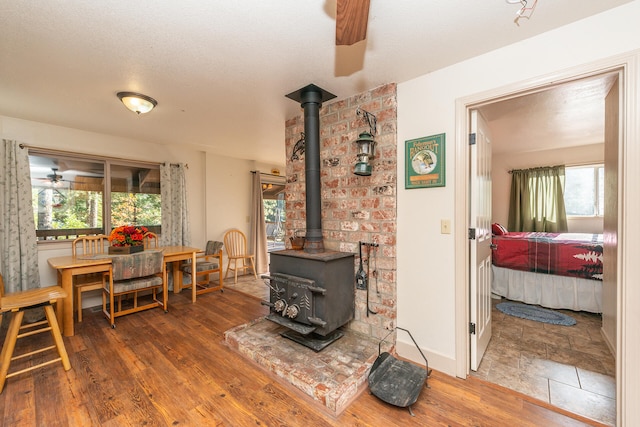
{"x":312,"y":290}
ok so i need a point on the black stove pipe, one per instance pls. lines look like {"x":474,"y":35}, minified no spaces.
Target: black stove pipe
{"x":311,"y":98}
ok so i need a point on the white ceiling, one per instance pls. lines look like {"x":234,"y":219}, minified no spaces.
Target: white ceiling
{"x":564,"y":115}
{"x":220,"y":70}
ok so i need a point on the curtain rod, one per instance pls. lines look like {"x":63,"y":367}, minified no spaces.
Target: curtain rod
{"x":186,"y":165}
{"x":533,"y":169}
{"x":269,"y":174}
{"x":91,"y":156}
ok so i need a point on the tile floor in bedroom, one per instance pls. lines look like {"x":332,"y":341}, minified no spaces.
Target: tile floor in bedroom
{"x":570,"y":367}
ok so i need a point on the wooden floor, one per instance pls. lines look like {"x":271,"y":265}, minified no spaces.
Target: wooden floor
{"x":162,"y":369}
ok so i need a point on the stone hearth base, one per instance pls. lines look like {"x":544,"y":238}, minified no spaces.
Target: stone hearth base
{"x":333,"y":377}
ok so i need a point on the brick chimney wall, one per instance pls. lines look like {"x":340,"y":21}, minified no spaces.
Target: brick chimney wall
{"x":354,"y":208}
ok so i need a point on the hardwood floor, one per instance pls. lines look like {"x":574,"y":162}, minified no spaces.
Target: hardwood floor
{"x":174,"y":369}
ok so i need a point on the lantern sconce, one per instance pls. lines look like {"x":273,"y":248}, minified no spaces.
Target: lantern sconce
{"x":366,"y":145}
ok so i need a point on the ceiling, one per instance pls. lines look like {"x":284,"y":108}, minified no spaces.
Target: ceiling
{"x":220,"y":70}
{"x":564,"y":115}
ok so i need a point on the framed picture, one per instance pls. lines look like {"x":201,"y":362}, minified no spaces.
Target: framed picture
{"x":424,"y":162}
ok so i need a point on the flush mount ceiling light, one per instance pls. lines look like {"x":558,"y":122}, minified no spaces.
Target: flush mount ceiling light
{"x":137,"y":102}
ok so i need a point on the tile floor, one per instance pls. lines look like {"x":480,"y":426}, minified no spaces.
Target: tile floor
{"x":569,"y":367}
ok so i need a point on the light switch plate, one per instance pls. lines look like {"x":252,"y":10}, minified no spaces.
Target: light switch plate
{"x":445,"y":226}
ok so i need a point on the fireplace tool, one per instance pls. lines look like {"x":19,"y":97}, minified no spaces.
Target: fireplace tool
{"x":361,"y":276}
{"x":368,"y":249}
{"x":395,"y":381}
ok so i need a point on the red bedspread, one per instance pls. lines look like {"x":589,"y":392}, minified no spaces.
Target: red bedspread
{"x":563,"y":254}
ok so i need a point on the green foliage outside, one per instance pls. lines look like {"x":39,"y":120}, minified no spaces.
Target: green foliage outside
{"x":69,"y":209}
{"x":135,"y":209}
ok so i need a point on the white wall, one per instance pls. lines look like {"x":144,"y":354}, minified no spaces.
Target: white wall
{"x":426,"y":268}
{"x":228,"y":189}
{"x":501,"y":180}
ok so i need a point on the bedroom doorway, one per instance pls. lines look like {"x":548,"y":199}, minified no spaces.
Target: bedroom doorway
{"x":500,"y":106}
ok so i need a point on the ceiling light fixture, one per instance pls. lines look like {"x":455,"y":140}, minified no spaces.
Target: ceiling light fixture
{"x":137,"y":102}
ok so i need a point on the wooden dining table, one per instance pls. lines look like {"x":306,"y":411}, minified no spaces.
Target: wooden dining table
{"x":69,"y":266}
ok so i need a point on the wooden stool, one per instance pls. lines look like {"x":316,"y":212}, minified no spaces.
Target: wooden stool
{"x":17,"y":303}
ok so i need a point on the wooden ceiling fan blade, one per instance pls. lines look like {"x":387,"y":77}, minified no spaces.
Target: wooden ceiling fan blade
{"x":352,"y":17}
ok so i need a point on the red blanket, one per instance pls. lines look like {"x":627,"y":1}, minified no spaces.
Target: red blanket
{"x":563,"y":254}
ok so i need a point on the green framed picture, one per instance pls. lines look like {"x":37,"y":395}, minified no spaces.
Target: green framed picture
{"x":424,"y":162}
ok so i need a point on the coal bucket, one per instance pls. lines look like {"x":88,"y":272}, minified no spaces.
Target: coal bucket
{"x":397,"y":382}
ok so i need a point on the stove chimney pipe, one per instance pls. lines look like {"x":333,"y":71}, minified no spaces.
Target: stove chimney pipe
{"x":311,"y":98}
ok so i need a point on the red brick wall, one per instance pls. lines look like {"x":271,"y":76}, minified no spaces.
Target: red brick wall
{"x":354,"y":208}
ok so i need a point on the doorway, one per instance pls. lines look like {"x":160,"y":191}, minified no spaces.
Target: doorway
{"x":505,"y":103}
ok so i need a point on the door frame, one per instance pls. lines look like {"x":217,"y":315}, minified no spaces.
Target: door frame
{"x":627,"y":152}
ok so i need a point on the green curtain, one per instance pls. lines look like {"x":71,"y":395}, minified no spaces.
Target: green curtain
{"x":537,"y":200}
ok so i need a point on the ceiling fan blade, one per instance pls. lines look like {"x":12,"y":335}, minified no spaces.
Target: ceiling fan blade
{"x":351,"y":21}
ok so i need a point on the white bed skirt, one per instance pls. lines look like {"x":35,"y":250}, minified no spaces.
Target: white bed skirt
{"x":547,"y":290}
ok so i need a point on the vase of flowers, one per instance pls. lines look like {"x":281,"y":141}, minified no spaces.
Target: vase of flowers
{"x":127,"y":239}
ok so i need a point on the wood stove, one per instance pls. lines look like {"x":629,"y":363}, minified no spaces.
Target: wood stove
{"x":313,"y":290}
{"x":311,"y":294}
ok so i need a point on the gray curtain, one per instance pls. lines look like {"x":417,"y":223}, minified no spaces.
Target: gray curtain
{"x":537,"y":200}
{"x":175,"y":219}
{"x":258,"y":235}
{"x":19,"y":259}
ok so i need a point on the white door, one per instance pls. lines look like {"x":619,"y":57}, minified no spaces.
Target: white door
{"x":479,"y":238}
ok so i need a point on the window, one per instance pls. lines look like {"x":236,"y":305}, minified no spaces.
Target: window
{"x":273,"y":205}
{"x":71,"y":197}
{"x":584,"y":190}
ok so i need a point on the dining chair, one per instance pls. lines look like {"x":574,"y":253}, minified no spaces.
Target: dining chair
{"x":150,"y":240}
{"x":88,"y":245}
{"x":206,"y":264}
{"x":17,"y":303}
{"x":235,"y":244}
{"x":140,"y":275}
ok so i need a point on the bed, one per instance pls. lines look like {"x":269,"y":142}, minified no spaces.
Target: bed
{"x":554,"y":270}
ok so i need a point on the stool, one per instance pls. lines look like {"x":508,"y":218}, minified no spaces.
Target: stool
{"x":17,"y":303}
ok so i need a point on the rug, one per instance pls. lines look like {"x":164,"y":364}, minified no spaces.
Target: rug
{"x":532,"y":312}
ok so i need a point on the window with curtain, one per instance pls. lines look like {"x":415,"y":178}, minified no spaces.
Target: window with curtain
{"x":537,"y":200}
{"x":81,"y":195}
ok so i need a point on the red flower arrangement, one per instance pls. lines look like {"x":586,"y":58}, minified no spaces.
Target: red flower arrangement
{"x":128,"y":235}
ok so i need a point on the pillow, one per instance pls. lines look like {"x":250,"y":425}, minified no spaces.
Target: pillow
{"x":498,"y":229}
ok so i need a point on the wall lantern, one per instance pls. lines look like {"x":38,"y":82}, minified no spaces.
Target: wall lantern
{"x":366,"y":145}
{"x":137,"y":102}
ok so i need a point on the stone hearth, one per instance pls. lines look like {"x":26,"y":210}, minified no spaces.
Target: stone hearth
{"x":333,"y":377}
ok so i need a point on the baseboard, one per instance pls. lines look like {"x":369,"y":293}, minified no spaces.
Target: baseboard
{"x":436,"y":361}
{"x":607,"y":340}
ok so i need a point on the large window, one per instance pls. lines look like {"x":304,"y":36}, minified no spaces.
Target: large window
{"x":76,"y":196}
{"x":584,"y":190}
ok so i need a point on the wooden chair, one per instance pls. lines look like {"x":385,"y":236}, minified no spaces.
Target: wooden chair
{"x":88,"y":245}
{"x":208,"y":263}
{"x":150,"y":240}
{"x":17,"y":303}
{"x":136,"y":274}
{"x":235,"y":243}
